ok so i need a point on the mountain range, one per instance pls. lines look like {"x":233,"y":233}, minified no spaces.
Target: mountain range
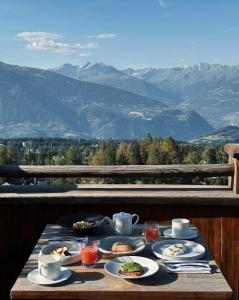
{"x":212,"y":90}
{"x":42,"y":103}
{"x":110,"y":76}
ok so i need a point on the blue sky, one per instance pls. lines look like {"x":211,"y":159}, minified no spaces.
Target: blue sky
{"x":134,"y":33}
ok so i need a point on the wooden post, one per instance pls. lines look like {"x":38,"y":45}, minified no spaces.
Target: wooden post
{"x":233,"y":152}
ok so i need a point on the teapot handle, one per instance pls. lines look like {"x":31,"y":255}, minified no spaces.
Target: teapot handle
{"x":110,"y":222}
{"x":137,"y":219}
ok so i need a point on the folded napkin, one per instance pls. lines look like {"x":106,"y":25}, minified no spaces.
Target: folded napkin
{"x":187,"y":267}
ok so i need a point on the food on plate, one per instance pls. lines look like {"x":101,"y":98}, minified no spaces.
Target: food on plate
{"x":175,"y":250}
{"x":61,"y":252}
{"x":82,"y":225}
{"x":131,"y":268}
{"x":121,"y":247}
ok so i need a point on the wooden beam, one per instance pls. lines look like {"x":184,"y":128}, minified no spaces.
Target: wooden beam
{"x":119,"y":194}
{"x":231,"y":149}
{"x":116,"y":171}
{"x":235,"y":182}
{"x":233,"y":152}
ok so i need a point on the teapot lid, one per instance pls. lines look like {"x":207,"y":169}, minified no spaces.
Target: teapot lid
{"x":123,"y":214}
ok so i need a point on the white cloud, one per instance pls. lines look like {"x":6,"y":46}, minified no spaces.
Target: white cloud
{"x":163,"y":3}
{"x":104,"y":36}
{"x":50,"y":41}
{"x":39,"y":36}
{"x":83,"y":54}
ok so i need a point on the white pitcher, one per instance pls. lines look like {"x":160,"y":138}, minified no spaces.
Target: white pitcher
{"x":122,"y":223}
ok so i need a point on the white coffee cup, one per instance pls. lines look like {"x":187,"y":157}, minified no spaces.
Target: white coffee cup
{"x":49,"y":266}
{"x":180,"y":226}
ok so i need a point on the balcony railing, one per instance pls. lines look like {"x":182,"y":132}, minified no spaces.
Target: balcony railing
{"x":25,"y":210}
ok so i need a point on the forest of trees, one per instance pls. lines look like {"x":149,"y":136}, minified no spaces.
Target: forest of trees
{"x":147,"y":151}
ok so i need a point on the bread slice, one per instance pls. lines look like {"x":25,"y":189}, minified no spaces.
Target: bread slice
{"x":131,"y":268}
{"x":137,"y":273}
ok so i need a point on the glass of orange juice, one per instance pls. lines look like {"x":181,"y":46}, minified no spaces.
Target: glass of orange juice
{"x":151,"y":231}
{"x":89,"y":253}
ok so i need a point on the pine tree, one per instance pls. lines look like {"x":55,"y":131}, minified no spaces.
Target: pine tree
{"x":134,"y":153}
{"x":121,"y":154}
{"x":109,"y":153}
{"x":153,"y":155}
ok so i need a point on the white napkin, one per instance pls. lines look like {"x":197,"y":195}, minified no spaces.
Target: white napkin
{"x":190,"y":268}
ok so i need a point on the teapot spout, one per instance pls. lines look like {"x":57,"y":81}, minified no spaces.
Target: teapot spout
{"x":110,"y":222}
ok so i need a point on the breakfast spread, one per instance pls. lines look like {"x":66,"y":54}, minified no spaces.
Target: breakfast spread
{"x":131,"y":268}
{"x":123,"y":265}
{"x":82,"y":225}
{"x":61,"y":252}
{"x":175,"y":250}
{"x":121,"y":247}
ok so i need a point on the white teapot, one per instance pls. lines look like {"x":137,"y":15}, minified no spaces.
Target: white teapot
{"x":122,"y":223}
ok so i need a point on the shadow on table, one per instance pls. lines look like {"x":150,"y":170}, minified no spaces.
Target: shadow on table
{"x":156,"y":279}
{"x":83,"y":277}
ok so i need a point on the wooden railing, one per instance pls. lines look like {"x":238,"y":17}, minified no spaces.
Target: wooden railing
{"x":206,"y":170}
{"x":117,"y":171}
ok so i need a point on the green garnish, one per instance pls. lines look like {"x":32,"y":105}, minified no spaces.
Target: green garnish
{"x":131,"y":267}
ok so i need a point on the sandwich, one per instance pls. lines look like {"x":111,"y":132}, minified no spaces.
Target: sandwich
{"x":131,"y":268}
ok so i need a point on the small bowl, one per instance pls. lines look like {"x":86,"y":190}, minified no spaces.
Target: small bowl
{"x":72,"y":247}
{"x":98,"y":222}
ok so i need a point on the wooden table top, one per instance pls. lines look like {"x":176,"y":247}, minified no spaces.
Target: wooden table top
{"x":97,"y":284}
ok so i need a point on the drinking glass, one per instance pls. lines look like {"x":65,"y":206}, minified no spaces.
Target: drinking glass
{"x":89,"y":254}
{"x":151,"y":231}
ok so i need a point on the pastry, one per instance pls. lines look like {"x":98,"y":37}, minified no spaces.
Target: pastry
{"x":121,"y":247}
{"x":61,"y":252}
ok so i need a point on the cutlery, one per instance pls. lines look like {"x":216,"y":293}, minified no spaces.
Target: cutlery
{"x":178,"y":266}
{"x":189,"y":262}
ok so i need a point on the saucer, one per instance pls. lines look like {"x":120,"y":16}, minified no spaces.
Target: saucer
{"x":35,"y":277}
{"x":190,"y":234}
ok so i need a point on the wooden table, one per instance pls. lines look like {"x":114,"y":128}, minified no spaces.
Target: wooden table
{"x":98,"y":285}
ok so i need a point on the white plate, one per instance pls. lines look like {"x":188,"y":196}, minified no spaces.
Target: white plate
{"x":193,"y":250}
{"x":73,"y":247}
{"x":150,"y":266}
{"x":191,"y":234}
{"x":35,"y":277}
{"x":105,"y":245}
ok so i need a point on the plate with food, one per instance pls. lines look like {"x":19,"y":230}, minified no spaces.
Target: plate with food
{"x":69,"y":252}
{"x":120,"y":245}
{"x":131,"y":267}
{"x":83,"y":222}
{"x":178,"y":250}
